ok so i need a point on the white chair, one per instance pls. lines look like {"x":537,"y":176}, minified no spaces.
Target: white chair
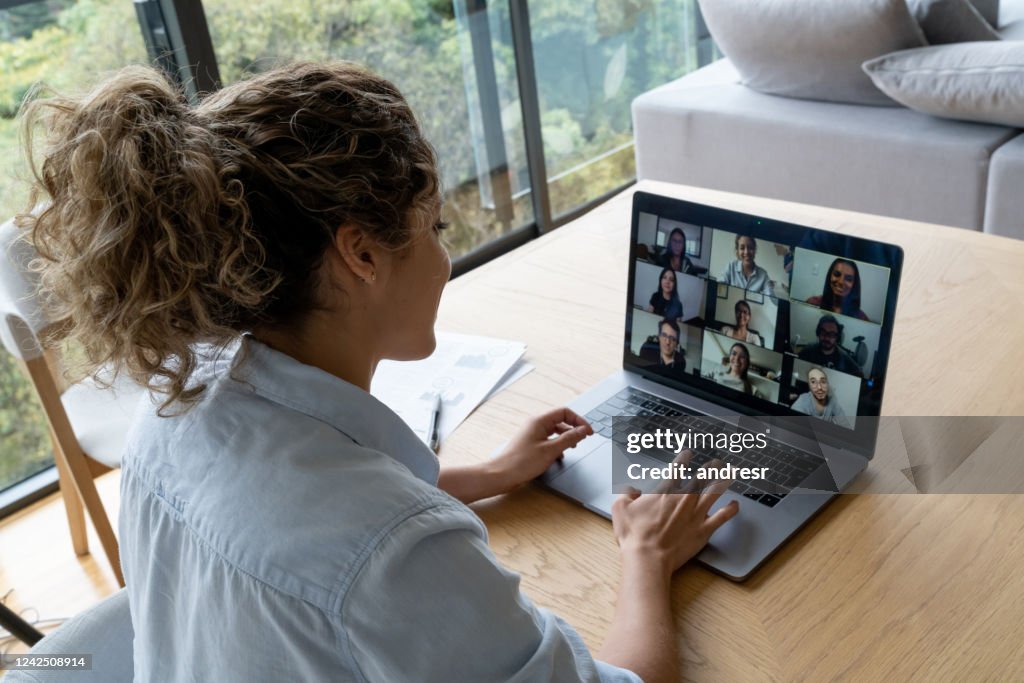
{"x":104,"y":632}
{"x":87,"y":423}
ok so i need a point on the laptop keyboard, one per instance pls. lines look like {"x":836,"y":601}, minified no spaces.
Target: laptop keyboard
{"x":787,"y":466}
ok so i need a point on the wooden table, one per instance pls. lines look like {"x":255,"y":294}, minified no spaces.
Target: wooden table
{"x":877,"y":587}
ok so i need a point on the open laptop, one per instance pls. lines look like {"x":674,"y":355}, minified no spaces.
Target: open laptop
{"x":742,"y":324}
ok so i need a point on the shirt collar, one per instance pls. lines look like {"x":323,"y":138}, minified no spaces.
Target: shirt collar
{"x":352,"y":411}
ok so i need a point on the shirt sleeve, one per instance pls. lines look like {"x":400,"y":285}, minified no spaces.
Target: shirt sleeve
{"x":431,"y":603}
{"x":768,"y":289}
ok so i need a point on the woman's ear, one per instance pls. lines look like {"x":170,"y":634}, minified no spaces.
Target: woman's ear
{"x":359,"y":253}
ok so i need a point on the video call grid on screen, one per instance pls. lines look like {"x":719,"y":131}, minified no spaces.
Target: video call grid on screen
{"x":773,"y":305}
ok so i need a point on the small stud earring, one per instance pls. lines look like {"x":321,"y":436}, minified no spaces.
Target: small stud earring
{"x":373,"y":277}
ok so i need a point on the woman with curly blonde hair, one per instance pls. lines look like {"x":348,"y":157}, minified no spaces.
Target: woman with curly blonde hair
{"x":250,"y":260}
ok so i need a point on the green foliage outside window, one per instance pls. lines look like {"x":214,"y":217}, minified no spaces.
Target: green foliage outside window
{"x":24,"y":436}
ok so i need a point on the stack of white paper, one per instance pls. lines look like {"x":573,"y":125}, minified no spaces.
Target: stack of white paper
{"x":465,"y":370}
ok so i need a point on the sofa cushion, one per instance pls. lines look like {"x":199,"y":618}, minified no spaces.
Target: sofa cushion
{"x":1004,"y":208}
{"x":951,"y":21}
{"x":969,"y":81}
{"x":708,"y":130}
{"x":809,"y":48}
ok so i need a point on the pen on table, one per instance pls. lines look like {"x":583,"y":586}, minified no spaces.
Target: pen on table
{"x":435,"y":424}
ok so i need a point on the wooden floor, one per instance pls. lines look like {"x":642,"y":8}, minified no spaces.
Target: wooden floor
{"x":40,"y":574}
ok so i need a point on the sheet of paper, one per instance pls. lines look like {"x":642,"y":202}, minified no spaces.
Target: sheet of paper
{"x":464,"y":369}
{"x":515,"y":373}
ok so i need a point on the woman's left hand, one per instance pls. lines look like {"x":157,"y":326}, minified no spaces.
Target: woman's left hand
{"x":539,"y":444}
{"x":530,"y":452}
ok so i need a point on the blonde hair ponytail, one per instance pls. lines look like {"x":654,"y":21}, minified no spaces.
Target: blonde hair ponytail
{"x":167,"y":225}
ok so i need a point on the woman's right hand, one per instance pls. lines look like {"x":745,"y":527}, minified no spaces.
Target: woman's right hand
{"x":657,"y":533}
{"x":671,"y":525}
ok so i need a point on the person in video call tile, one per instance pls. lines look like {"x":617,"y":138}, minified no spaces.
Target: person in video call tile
{"x":744,"y":271}
{"x":841,"y":291}
{"x":740,"y":331}
{"x":827,"y":352}
{"x":665,"y":302}
{"x":736,"y":377}
{"x":820,"y":401}
{"x":675,"y":255}
{"x":666,"y":357}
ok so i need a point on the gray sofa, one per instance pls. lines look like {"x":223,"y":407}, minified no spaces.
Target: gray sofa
{"x":707,"y":129}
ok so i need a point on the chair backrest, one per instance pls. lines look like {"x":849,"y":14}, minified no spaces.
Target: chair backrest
{"x":21,"y":317}
{"x":103,"y":631}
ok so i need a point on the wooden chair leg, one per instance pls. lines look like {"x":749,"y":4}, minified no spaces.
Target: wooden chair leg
{"x":74,"y":459}
{"x":72,"y":503}
{"x":100,"y":522}
{"x":97,"y":468}
{"x":85,"y":487}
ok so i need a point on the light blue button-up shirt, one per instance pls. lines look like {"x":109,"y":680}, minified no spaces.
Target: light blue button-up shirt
{"x":759,"y":281}
{"x":289,"y":528}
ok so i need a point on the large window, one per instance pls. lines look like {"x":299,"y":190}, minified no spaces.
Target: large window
{"x":63,"y":44}
{"x":592,"y":59}
{"x":526,"y":101}
{"x":456,"y":63}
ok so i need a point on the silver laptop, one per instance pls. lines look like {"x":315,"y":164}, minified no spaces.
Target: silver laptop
{"x":757,"y":343}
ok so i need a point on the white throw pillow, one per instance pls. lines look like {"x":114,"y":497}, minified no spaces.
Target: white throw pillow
{"x":951,"y":21}
{"x":970,"y":81}
{"x":811,"y":49}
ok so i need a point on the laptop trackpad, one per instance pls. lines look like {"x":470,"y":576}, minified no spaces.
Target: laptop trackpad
{"x":571,"y":456}
{"x":590,"y":482}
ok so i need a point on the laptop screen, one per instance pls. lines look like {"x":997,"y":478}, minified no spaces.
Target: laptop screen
{"x":760,"y":316}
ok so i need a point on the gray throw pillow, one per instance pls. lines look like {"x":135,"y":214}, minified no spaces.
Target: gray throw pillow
{"x":988,"y":9}
{"x":970,"y":81}
{"x":951,"y":21}
{"x":811,"y":49}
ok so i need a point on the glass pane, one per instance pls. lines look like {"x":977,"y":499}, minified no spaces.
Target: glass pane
{"x":24,"y":435}
{"x":592,"y":58}
{"x":422,"y":47}
{"x":63,"y":43}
